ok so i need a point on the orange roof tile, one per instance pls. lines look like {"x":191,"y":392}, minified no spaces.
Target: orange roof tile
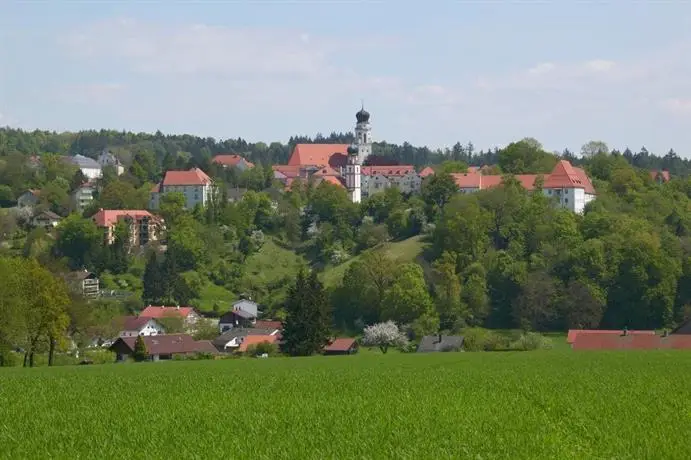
{"x":396,"y":170}
{"x":333,"y":180}
{"x":194,"y":176}
{"x":231,"y":160}
{"x":319,"y":155}
{"x":108,"y":217}
{"x":160,"y":312}
{"x":428,"y":171}
{"x":340,"y":344}
{"x":664,"y":174}
{"x":256,"y":340}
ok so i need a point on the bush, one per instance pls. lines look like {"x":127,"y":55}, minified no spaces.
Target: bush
{"x":532,"y":341}
{"x":259,"y":349}
{"x":478,"y":339}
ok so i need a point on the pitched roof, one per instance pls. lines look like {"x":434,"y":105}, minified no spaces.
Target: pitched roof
{"x":573,"y":333}
{"x":271,"y":325}
{"x":163,"y":311}
{"x":591,"y":341}
{"x":84,"y":162}
{"x":230,"y":160}
{"x":194,"y":176}
{"x":396,"y":170}
{"x":255,"y":340}
{"x":48,"y":214}
{"x":80,"y":275}
{"x":428,"y":171}
{"x":135,"y":323}
{"x":326,"y":171}
{"x":319,"y":154}
{"x":440,"y":343}
{"x":333,"y":180}
{"x":236,"y":332}
{"x":108,"y":217}
{"x":168,"y":344}
{"x":341,"y":344}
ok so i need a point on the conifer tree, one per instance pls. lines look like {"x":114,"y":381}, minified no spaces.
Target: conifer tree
{"x":140,"y":351}
{"x":308,"y":319}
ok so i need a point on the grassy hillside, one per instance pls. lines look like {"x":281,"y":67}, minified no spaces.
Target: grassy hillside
{"x":447,"y":405}
{"x":400,"y":251}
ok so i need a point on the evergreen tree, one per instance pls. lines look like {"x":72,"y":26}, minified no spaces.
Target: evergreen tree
{"x":153,"y":280}
{"x":308,"y":319}
{"x":140,"y":351}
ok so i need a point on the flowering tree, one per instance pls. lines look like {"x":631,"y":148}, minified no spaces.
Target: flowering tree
{"x":384,"y":335}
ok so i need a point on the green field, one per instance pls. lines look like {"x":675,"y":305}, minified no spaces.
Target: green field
{"x":552,"y":405}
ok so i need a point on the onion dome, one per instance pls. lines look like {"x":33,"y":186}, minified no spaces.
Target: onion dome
{"x":353,"y":149}
{"x":362,"y":116}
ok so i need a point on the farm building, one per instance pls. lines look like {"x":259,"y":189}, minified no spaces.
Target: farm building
{"x":626,"y":341}
{"x":341,"y":346}
{"x":573,"y":333}
{"x":432,"y":343}
{"x":161,"y":347}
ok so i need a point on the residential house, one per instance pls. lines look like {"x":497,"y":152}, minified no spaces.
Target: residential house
{"x":269,"y":324}
{"x":250,"y":340}
{"x":46,"y":219}
{"x":84,"y":282}
{"x":88,"y":166}
{"x":107,"y":158}
{"x":29,"y":199}
{"x":188,"y":314}
{"x":140,"y":325}
{"x":143,"y":226}
{"x":162,"y":347}
{"x":624,"y":340}
{"x":232,"y":161}
{"x":247,"y":305}
{"x":231,"y":339}
{"x":660,"y":176}
{"x":569,"y":186}
{"x":244,"y":313}
{"x":341,"y":346}
{"x":378,"y":178}
{"x":434,"y":343}
{"x":83,"y":195}
{"x":573,"y":333}
{"x":196,"y":186}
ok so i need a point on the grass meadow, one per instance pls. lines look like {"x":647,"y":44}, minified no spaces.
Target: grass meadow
{"x":554,"y":404}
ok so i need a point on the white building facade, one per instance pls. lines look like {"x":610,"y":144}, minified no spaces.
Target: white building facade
{"x":195,"y":185}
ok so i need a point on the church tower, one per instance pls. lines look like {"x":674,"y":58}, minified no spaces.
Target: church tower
{"x":352,"y":174}
{"x":363,"y":135}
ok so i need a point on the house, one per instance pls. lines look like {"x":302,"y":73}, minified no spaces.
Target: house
{"x":236,"y":318}
{"x":83,"y":195}
{"x":268,"y":324}
{"x":231,"y":339}
{"x":143,"y":226}
{"x":188,"y":314}
{"x":84,"y":282}
{"x":46,"y":219}
{"x":334,"y":155}
{"x":377,"y":178}
{"x":232,"y":161}
{"x":433,"y":343}
{"x":573,"y":333}
{"x":29,"y":199}
{"x":256,"y":340}
{"x":341,"y":346}
{"x":106,"y":158}
{"x":162,"y":347}
{"x":196,"y":186}
{"x":140,"y":325}
{"x":88,"y":166}
{"x":247,"y":305}
{"x":660,"y":176}
{"x":624,"y":340}
{"x":569,"y":186}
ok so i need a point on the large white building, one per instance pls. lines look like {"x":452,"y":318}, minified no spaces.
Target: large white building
{"x":195,"y":185}
{"x":88,"y":166}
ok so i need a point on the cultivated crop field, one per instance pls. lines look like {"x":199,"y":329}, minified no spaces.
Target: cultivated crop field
{"x":553,"y":405}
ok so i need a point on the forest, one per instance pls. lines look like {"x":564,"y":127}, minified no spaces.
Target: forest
{"x":501,"y":258}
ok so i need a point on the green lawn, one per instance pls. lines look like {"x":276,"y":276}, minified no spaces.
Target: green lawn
{"x":400,"y":251}
{"x":552,"y":405}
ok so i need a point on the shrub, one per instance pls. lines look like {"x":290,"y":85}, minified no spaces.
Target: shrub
{"x":259,"y":349}
{"x":532,"y":341}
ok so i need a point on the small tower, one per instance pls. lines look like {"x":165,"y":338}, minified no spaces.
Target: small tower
{"x":352,"y":173}
{"x":363,"y":134}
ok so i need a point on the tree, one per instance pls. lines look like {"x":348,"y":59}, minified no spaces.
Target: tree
{"x":593,"y":148}
{"x":153,"y":281}
{"x":79,"y":240}
{"x":384,"y":336}
{"x":437,"y":190}
{"x":140,"y":351}
{"x":306,"y":329}
{"x":408,"y":298}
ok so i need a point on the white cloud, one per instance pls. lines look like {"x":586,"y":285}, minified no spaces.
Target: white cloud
{"x":542,"y":68}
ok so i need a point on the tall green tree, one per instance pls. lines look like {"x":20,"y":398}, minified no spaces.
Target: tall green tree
{"x":307,"y":327}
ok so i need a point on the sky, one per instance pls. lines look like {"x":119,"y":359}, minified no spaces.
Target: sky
{"x":489,"y":72}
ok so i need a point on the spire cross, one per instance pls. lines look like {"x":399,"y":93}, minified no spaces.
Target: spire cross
{"x":362,"y":104}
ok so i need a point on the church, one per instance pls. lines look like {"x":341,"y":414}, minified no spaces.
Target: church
{"x":342,"y":165}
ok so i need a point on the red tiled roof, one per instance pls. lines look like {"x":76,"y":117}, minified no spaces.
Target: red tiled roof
{"x":563,"y":176}
{"x":255,"y":340}
{"x":397,"y":170}
{"x":194,"y":176}
{"x":163,"y":311}
{"x":135,"y":323}
{"x":287,"y":170}
{"x":108,"y":217}
{"x":428,"y":171}
{"x":340,"y":344}
{"x":230,"y":160}
{"x":263,"y":324}
{"x":333,"y":180}
{"x":168,"y":344}
{"x":319,"y":155}
{"x":594,"y":341}
{"x":573,"y":333}
{"x":326,"y":171}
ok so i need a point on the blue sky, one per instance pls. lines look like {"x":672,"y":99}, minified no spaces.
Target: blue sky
{"x":489,"y":72}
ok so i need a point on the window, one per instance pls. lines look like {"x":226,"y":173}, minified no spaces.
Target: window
{"x":566,"y":200}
